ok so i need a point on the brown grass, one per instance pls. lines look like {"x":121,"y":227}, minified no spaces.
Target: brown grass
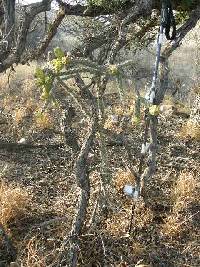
{"x":14,"y":203}
{"x":190,"y":129}
{"x":122,"y":178}
{"x":185,"y":191}
{"x":43,"y":120}
{"x":21,"y":102}
{"x":118,"y":223}
{"x":19,"y":114}
{"x":40,"y":246}
{"x":184,"y":196}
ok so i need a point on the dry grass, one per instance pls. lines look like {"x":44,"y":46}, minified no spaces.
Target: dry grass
{"x":184,"y":196}
{"x":21,"y":103}
{"x":186,"y":190}
{"x":14,"y":203}
{"x":117,"y":112}
{"x":19,"y":114}
{"x":43,"y":120}
{"x":190,"y":129}
{"x":122,"y":178}
{"x":33,"y":256}
{"x":118,"y":223}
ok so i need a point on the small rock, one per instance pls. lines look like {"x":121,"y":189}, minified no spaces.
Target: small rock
{"x":128,"y":190}
{"x":22,"y":141}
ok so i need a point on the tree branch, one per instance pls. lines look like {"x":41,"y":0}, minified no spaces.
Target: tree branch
{"x":51,"y":32}
{"x":29,"y":13}
{"x":99,"y":10}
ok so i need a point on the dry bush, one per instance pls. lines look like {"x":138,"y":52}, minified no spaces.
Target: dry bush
{"x":143,"y":217}
{"x":119,"y":221}
{"x":171,"y":107}
{"x":3,"y":83}
{"x":118,"y":111}
{"x":185,"y":196}
{"x":172,"y":226}
{"x":24,"y":111}
{"x":23,"y":104}
{"x":42,"y":246}
{"x":14,"y":203}
{"x":168,"y":100}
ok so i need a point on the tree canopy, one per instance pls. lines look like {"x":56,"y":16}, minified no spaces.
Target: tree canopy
{"x":13,"y":46}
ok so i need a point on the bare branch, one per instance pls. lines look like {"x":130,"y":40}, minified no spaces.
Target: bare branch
{"x":29,"y":13}
{"x":42,"y":46}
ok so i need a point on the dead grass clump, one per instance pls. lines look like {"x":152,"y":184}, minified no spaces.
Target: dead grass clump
{"x":14,"y":202}
{"x":3,"y":83}
{"x":113,"y":123}
{"x":42,"y":246}
{"x":123,"y":178}
{"x":43,"y":120}
{"x":118,"y":223}
{"x":138,"y":248}
{"x":19,"y":115}
{"x":190,"y":129}
{"x":143,"y":217}
{"x":172,"y":226}
{"x":185,"y":191}
{"x":185,"y":196}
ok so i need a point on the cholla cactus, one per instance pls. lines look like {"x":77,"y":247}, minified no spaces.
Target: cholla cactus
{"x":70,"y":137}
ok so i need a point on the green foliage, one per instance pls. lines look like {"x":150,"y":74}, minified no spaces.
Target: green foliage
{"x":181,"y":17}
{"x":58,"y":53}
{"x":154,"y":110}
{"x":113,"y":70}
{"x":141,"y":102}
{"x":60,"y":61}
{"x":45,"y":82}
{"x":57,"y":65}
{"x":40,"y":75}
{"x":107,"y":4}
